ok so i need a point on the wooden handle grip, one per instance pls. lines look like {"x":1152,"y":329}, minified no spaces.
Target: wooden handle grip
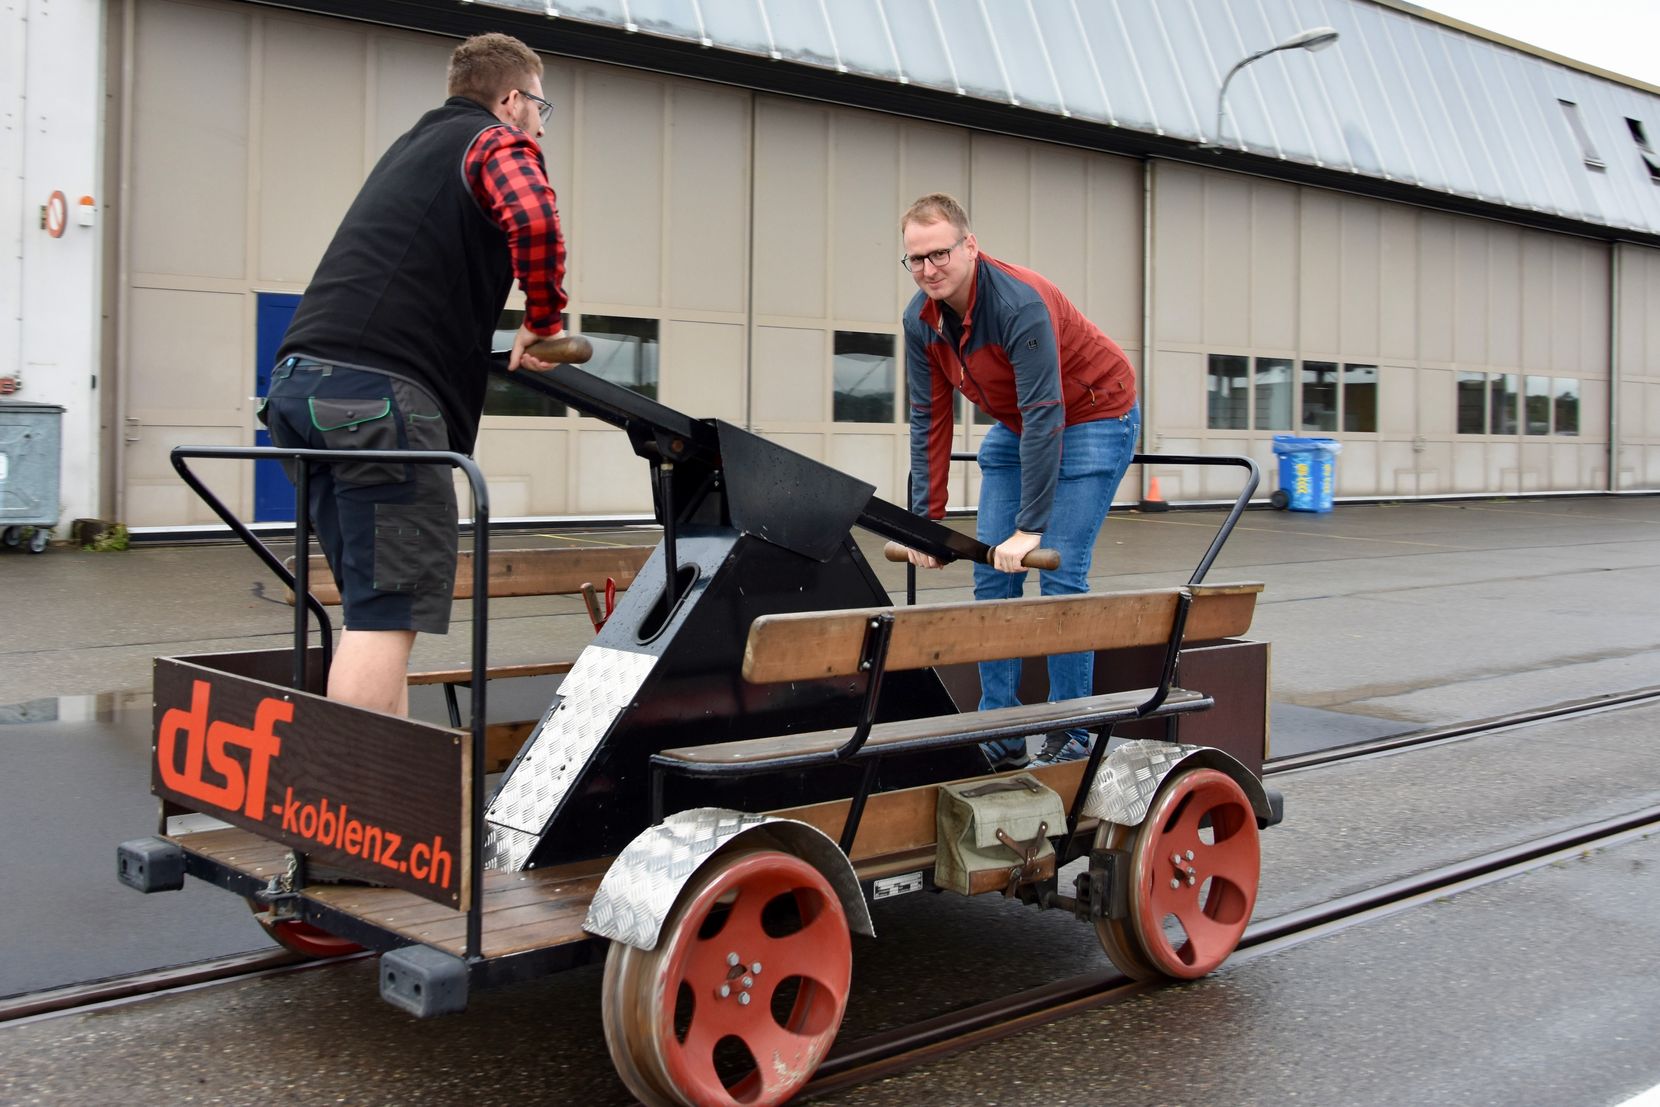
{"x":569,"y":349}
{"x":1037,"y":559}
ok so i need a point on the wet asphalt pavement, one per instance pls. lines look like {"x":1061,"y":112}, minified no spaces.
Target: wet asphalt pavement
{"x":1382,"y":619}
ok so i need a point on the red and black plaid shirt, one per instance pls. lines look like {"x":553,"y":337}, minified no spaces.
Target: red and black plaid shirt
{"x":504,"y":167}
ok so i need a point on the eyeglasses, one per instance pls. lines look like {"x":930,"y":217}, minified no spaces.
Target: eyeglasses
{"x":543,"y":107}
{"x":915,"y":262}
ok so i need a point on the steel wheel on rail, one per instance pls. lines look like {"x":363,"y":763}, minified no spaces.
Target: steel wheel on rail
{"x":1195,"y":863}
{"x":744,"y":993}
{"x":302,"y":937}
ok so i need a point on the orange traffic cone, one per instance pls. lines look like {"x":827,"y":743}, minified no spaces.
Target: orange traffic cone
{"x":1154,"y":501}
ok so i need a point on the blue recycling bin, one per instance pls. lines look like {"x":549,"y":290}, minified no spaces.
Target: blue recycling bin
{"x":1308,"y":472}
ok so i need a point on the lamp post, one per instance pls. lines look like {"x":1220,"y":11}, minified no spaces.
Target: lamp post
{"x":1317,"y":38}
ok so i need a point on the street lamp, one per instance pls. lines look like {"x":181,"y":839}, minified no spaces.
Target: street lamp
{"x":1316,"y":39}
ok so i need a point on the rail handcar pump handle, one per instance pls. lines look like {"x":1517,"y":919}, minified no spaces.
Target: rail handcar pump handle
{"x":565,"y":349}
{"x":1037,"y":559}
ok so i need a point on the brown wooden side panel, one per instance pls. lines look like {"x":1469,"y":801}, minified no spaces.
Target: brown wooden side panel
{"x":377,"y":795}
{"x":1233,"y":673}
{"x":547,"y":572}
{"x":813,"y":645}
{"x":903,"y":820}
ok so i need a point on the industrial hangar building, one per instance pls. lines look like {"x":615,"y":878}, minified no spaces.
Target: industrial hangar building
{"x":1435,"y":245}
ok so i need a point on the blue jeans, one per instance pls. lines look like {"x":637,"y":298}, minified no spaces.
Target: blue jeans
{"x":1093,"y":459}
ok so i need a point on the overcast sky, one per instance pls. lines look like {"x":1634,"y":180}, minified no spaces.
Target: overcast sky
{"x":1619,"y":35}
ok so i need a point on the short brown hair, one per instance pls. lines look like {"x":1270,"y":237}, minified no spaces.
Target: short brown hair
{"x":487,"y":67}
{"x":933,"y":208}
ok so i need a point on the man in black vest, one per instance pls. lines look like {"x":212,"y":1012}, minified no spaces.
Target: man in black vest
{"x":389,"y":349}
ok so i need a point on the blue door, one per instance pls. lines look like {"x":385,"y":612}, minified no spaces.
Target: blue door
{"x":273,"y":494}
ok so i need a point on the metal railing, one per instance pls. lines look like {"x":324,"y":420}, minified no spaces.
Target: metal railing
{"x":306,"y":605}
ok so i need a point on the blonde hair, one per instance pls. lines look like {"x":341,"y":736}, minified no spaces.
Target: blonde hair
{"x":933,"y":208}
{"x":487,"y":67}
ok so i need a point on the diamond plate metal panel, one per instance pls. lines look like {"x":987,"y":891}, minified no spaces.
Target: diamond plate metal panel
{"x":1125,"y":783}
{"x":640,"y":888}
{"x":601,"y":683}
{"x":506,"y":848}
{"x":641,"y":885}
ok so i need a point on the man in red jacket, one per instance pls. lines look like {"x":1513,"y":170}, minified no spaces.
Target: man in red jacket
{"x":1064,"y":399}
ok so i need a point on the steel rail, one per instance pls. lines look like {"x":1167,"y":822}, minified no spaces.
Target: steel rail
{"x":889,"y":1053}
{"x":1391,"y":742}
{"x":219,"y":970}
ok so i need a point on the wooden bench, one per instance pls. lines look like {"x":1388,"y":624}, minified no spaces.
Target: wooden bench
{"x":556,"y":571}
{"x":816,"y":645}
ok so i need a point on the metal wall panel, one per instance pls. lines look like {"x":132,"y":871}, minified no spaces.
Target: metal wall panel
{"x":864,"y":248}
{"x":1273,"y":275}
{"x":621,"y":187}
{"x":204,"y":237}
{"x":1398,"y":296}
{"x":1227,"y":260}
{"x":707,"y":199}
{"x":791,"y":215}
{"x":1362,"y":261}
{"x":1320,"y":274}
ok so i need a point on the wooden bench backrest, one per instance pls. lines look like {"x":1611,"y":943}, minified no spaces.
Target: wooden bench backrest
{"x":816,"y":644}
{"x":550,"y":572}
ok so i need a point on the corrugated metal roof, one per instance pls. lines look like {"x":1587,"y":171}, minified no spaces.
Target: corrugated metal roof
{"x":1402,"y":96}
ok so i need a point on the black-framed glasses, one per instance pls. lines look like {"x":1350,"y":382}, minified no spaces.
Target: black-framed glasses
{"x":544,"y":108}
{"x":915,"y":262}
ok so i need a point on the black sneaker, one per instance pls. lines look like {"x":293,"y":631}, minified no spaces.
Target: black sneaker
{"x":1000,"y":757}
{"x":1060,"y":747}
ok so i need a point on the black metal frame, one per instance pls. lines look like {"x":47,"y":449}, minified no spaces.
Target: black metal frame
{"x":305,"y":604}
{"x":1242,"y":501}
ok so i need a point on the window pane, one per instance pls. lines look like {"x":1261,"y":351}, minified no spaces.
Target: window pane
{"x":625,"y":351}
{"x":1273,"y":387}
{"x":505,"y":395}
{"x":1567,"y":405}
{"x":1228,"y":398}
{"x":1360,"y":398}
{"x":1538,"y":405}
{"x":1502,"y":409}
{"x":1472,"y":403}
{"x":864,"y":375}
{"x":1319,"y":389}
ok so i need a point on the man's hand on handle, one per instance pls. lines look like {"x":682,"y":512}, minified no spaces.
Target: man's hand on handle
{"x":1032,"y":558}
{"x":543,"y":352}
{"x":922,"y":560}
{"x":1007,"y":556}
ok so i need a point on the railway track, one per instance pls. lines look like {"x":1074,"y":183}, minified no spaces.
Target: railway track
{"x":886,"y":1053}
{"x":890,"y":1053}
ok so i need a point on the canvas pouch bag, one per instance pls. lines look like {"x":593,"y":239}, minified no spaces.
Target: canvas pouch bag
{"x":970,"y":858}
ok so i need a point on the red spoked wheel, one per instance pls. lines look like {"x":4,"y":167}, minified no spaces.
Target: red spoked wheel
{"x":744,"y":993}
{"x":1195,"y":863}
{"x":302,"y":937}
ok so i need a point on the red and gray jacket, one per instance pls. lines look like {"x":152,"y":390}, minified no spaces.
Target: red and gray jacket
{"x":1024,"y":355}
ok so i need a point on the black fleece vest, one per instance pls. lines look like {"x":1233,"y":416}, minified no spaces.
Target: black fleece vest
{"x":417,"y":274}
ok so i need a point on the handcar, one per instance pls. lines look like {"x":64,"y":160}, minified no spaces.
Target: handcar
{"x":755,"y":747}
